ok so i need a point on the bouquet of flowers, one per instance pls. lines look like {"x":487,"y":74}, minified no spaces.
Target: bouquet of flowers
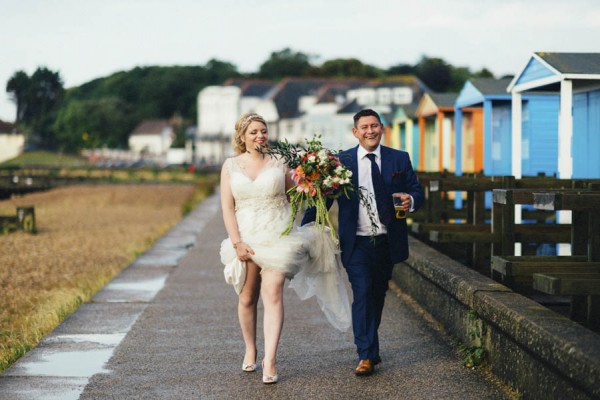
{"x":319,"y":175}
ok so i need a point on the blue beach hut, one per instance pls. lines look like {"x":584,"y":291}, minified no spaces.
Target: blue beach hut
{"x":482,"y":119}
{"x":575,"y":79}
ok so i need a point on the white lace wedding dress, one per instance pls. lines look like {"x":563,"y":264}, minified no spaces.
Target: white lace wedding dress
{"x":308,"y":255}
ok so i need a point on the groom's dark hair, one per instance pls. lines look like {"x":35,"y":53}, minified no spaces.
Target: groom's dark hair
{"x":365,"y":113}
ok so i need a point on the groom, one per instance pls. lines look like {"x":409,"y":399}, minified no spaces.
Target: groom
{"x":372,"y":241}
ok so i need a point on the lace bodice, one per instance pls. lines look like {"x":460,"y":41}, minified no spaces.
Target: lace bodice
{"x":266,"y":191}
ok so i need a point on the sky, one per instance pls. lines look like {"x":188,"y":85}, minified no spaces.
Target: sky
{"x":88,"y":39}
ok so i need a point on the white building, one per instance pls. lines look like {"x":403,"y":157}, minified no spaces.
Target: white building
{"x":296,"y":109}
{"x":11,"y":143}
{"x":219,"y":107}
{"x":152,"y":139}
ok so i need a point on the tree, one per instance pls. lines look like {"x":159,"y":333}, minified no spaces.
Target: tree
{"x":484,"y":73}
{"x":37,"y":98}
{"x":18,"y":87}
{"x":348,"y":67}
{"x":219,"y":71}
{"x":285,"y":63}
{"x":401,"y":69}
{"x":435,"y":73}
{"x":105,"y":122}
{"x":458,"y":77}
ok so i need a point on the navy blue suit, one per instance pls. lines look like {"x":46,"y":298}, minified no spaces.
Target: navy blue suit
{"x":369,"y":261}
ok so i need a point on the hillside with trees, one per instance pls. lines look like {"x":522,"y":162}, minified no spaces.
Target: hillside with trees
{"x":104,"y":111}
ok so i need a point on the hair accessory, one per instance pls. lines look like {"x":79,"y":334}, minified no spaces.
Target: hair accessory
{"x":249,"y":118}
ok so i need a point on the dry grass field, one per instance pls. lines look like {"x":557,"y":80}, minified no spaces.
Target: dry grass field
{"x":86,"y":235}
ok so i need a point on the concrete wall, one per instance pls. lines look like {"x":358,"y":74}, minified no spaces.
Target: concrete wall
{"x":11,"y":145}
{"x":535,"y":350}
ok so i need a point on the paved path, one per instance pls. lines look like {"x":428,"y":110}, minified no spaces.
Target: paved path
{"x":167,"y":328}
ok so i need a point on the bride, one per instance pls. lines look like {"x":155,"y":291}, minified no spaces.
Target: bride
{"x":258,"y":258}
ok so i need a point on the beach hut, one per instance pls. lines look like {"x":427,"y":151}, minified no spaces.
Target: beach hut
{"x":405,"y":128}
{"x":435,"y":114}
{"x":482,"y":120}
{"x":574,"y":78}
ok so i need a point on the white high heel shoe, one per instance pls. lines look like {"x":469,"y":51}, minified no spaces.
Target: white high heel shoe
{"x":268,"y":379}
{"x":248,"y":367}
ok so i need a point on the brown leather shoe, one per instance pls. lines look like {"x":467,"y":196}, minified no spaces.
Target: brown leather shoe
{"x":365,"y":368}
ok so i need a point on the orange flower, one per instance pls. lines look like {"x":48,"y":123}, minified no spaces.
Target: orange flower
{"x":314,"y":176}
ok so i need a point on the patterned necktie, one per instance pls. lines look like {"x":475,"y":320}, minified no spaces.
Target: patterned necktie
{"x":384,"y":205}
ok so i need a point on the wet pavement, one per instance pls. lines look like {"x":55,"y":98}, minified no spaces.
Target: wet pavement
{"x":167,"y":328}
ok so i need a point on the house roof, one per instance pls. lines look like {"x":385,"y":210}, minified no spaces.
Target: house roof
{"x":256,"y":88}
{"x":545,"y":71}
{"x":287,"y":93}
{"x":491,"y":85}
{"x":351,"y":107}
{"x":444,"y":99}
{"x":329,"y":91}
{"x":573,"y":63}
{"x":410,"y":109}
{"x":7,"y":127}
{"x":151,"y":127}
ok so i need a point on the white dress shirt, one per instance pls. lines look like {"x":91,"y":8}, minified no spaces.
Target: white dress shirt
{"x":364,"y":227}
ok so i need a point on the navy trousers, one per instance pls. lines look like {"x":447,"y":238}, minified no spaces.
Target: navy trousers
{"x":369,"y":272}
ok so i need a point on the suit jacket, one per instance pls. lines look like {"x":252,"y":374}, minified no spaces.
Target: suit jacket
{"x":398,"y":176}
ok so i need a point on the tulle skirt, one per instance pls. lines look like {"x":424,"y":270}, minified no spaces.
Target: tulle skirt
{"x":308,"y":256}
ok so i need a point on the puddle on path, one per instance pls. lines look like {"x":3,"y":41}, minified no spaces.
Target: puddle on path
{"x":81,"y":364}
{"x":146,"y":285}
{"x":109,"y":339}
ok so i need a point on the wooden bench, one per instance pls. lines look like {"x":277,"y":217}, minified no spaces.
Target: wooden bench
{"x":584,"y":289}
{"x":586,"y":218}
{"x":440,"y":223}
{"x":503,"y":220}
{"x":519,"y":270}
{"x":24,"y":220}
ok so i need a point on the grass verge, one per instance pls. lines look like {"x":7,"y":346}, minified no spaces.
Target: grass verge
{"x":86,"y":236}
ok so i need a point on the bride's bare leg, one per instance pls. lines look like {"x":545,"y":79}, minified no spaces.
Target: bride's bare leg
{"x":247,"y":304}
{"x":272,"y":297}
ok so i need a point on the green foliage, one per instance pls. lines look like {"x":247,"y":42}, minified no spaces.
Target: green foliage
{"x":440,"y":76}
{"x":401,"y":69}
{"x":458,"y":77}
{"x":18,"y":86}
{"x":37,"y":98}
{"x":105,"y":122}
{"x":157,"y":92}
{"x":435,"y":73}
{"x":349,"y":67}
{"x":179,"y":141}
{"x":103,"y":112}
{"x":31,"y":158}
{"x":475,"y":353}
{"x":285,"y":63}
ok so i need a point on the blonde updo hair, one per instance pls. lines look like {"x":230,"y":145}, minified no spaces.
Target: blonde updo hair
{"x":240,"y":128}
